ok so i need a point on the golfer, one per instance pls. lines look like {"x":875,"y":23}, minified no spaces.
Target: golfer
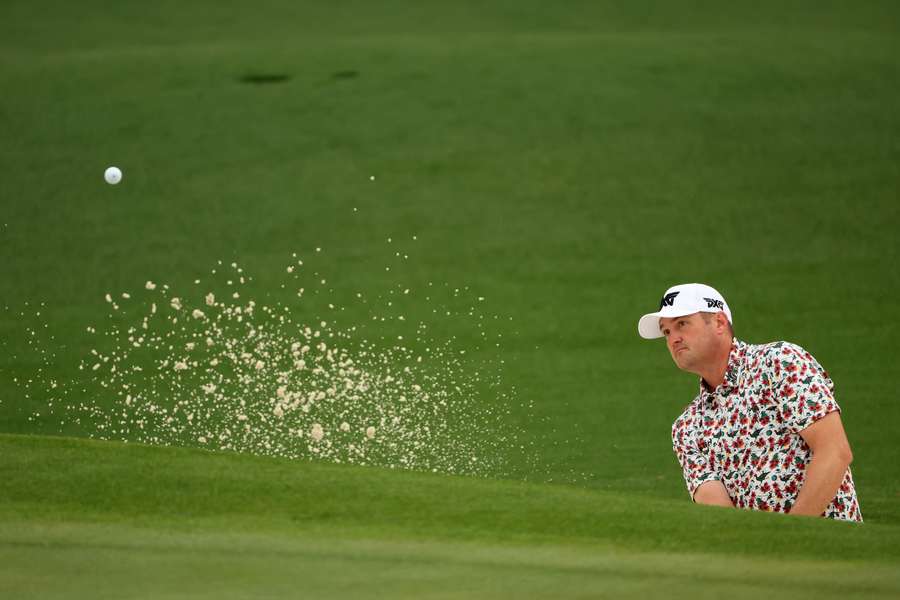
{"x":764,"y":432}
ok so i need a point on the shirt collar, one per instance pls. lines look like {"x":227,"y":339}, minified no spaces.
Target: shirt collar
{"x":732,"y":371}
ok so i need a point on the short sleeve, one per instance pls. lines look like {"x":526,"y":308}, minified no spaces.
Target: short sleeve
{"x":802,"y":390}
{"x":697,"y":466}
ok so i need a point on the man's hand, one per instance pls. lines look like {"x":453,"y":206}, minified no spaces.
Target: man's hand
{"x":713,"y":493}
{"x":831,"y":456}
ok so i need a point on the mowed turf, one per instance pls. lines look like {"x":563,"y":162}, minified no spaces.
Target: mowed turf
{"x":566,"y":163}
{"x":90,"y":519}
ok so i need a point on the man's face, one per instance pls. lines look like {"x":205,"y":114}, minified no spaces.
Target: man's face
{"x":692,"y":342}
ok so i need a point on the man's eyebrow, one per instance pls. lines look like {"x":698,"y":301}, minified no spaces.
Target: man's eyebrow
{"x":676,"y":319}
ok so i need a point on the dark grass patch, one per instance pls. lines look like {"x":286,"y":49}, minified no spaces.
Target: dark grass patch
{"x":264,"y":78}
{"x":345,"y":74}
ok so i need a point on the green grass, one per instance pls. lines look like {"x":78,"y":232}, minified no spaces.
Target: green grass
{"x":80,"y":517}
{"x":567,"y":163}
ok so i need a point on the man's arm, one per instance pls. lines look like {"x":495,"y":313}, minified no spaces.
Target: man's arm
{"x":831,"y":456}
{"x":713,"y":493}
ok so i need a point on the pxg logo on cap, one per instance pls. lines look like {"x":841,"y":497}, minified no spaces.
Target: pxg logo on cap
{"x":668,"y":300}
{"x":713,"y":303}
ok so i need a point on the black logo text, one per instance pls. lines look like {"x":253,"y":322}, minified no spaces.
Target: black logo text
{"x":712,"y":302}
{"x":668,"y":300}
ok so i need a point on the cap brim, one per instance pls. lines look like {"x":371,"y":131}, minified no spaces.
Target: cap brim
{"x":648,"y":326}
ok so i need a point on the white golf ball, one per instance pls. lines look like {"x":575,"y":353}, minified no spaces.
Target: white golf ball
{"x":112,"y":175}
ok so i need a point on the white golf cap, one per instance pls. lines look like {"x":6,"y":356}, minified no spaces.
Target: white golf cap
{"x":681,"y":300}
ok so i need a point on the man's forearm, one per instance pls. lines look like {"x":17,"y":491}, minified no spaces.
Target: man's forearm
{"x":823,"y":478}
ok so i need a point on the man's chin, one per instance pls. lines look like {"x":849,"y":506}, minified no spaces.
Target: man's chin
{"x":682,"y":363}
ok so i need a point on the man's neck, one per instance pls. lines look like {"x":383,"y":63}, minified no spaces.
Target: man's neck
{"x":716,"y":374}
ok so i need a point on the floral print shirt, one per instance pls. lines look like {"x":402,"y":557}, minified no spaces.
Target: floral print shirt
{"x":746,"y":432}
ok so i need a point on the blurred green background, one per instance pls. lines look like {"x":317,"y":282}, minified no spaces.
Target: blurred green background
{"x":566,"y":161}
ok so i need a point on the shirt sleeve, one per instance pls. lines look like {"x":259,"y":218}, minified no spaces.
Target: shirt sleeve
{"x":801,"y":387}
{"x":697,"y":465}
